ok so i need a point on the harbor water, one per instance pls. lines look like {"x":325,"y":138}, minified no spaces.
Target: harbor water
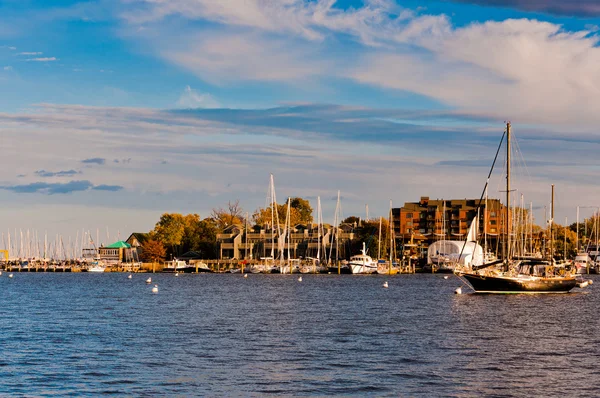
{"x":222,"y":335}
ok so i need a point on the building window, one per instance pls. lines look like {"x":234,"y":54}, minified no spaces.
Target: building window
{"x":409,"y":215}
{"x":493,"y":230}
{"x":492,"y":214}
{"x":422,"y":231}
{"x":409,"y":224}
{"x":492,"y":222}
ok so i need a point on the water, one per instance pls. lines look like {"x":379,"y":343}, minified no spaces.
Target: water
{"x":224,"y":335}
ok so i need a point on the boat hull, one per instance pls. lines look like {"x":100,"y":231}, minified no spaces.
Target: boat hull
{"x":499,"y":284}
{"x":362,"y":268}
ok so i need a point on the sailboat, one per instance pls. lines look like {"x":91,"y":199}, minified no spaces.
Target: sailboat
{"x":514,"y":274}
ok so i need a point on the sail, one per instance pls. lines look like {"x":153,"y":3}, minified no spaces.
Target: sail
{"x":473,"y":229}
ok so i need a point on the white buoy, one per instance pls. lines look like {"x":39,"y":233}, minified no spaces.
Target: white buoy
{"x":385,"y":284}
{"x":149,"y":280}
{"x":155,"y":289}
{"x":299,"y":279}
{"x":458,"y":290}
{"x":10,"y":275}
{"x":176,"y":273}
{"x":583,"y":284}
{"x":446,"y":277}
{"x":129,"y":276}
{"x":245,"y":275}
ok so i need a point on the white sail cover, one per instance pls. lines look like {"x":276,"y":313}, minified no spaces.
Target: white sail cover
{"x":450,"y":250}
{"x":473,"y":230}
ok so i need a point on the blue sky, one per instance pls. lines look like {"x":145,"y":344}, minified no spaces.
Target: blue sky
{"x":115,"y":111}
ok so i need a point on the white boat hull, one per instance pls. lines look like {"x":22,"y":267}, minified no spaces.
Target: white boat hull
{"x":362,"y":268}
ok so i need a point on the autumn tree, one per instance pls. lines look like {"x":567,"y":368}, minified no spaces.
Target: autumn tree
{"x":170,"y":229}
{"x":304,"y":209}
{"x":153,"y":251}
{"x":267,"y":217}
{"x":233,"y":214}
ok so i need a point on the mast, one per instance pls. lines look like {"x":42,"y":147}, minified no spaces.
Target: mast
{"x":379,"y":240}
{"x":319,"y":229}
{"x":506,"y":245}
{"x":577,"y":232}
{"x":391,"y":240}
{"x":550,"y":224}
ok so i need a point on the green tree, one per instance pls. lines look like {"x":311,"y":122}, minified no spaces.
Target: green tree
{"x":351,"y":220}
{"x":170,"y":229}
{"x":200,"y":236}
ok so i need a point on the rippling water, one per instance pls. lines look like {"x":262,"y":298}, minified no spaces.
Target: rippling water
{"x":224,"y":335}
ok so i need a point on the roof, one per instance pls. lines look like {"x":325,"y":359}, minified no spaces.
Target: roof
{"x":141,"y":237}
{"x":119,"y":245}
{"x":191,"y":255}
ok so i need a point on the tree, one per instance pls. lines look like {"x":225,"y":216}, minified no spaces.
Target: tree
{"x":304,"y":209}
{"x":263,"y":216}
{"x":170,"y":229}
{"x":351,"y":220}
{"x":200,"y":236}
{"x":230,"y":216}
{"x":153,"y":251}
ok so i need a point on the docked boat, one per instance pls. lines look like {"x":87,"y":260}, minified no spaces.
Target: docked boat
{"x":362,"y":263}
{"x":97,"y":266}
{"x":512,"y":274}
{"x":583,"y":263}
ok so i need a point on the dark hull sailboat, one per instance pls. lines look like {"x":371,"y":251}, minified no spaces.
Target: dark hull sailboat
{"x":518,"y":275}
{"x":520,"y":284}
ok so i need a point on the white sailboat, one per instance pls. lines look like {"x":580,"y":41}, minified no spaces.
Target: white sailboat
{"x":97,"y":265}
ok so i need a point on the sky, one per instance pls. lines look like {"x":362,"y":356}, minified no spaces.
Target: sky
{"x":113,"y":112}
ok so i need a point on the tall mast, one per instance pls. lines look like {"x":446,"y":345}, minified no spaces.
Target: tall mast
{"x":506,"y":246}
{"x":550,"y":224}
{"x":379,"y":240}
{"x":391,"y":240}
{"x":577,"y":232}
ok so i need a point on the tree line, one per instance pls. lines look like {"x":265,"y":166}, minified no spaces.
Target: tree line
{"x":175,"y":234}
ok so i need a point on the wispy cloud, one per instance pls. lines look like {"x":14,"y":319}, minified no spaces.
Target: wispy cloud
{"x":111,"y":188}
{"x":30,"y":53}
{"x":99,"y":161}
{"x":314,"y":146}
{"x":62,"y":173}
{"x":190,"y":98}
{"x":43,"y":59}
{"x":7,"y":68}
{"x":580,"y":8}
{"x":50,"y":188}
{"x":298,"y":42}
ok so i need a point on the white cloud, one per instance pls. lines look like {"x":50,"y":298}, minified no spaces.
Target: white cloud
{"x":8,"y":68}
{"x":527,"y":70}
{"x":227,"y":58}
{"x":190,"y":98}
{"x":30,"y":53}
{"x":43,"y":59}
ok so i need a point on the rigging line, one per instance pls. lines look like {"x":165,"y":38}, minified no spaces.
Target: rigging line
{"x":521,"y":158}
{"x":484,"y":191}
